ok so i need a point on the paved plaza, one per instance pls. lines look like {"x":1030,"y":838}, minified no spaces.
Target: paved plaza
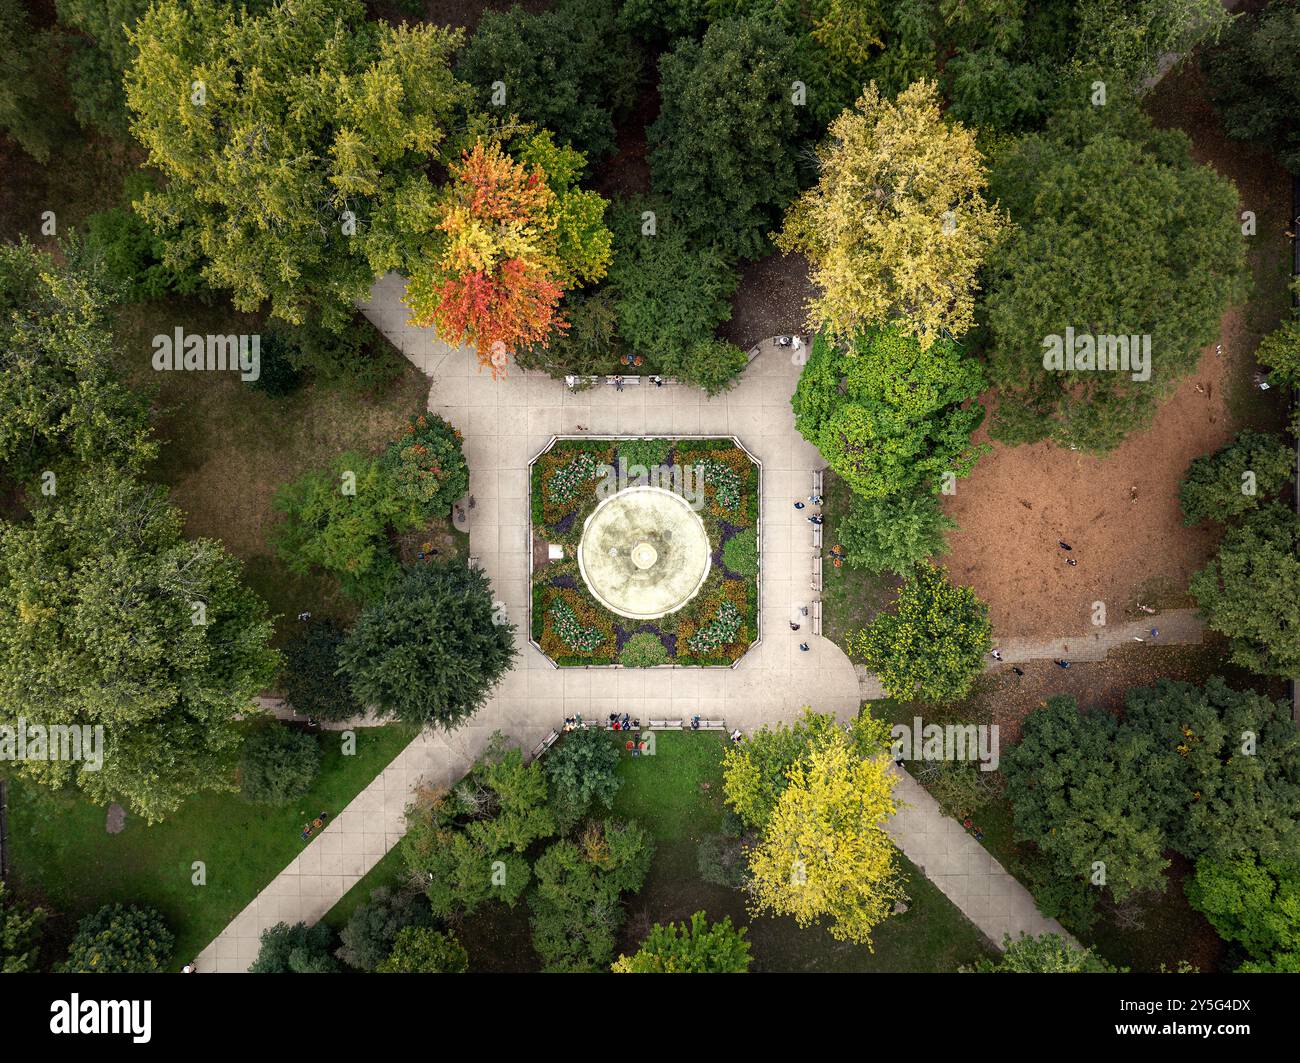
{"x":504,"y":423}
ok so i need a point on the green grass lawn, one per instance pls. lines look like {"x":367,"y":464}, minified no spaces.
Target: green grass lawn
{"x":61,"y":856}
{"x":677,"y":795}
{"x":851,"y":597}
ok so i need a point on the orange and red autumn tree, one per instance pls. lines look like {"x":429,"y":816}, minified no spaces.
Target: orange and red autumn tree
{"x":510,"y":235}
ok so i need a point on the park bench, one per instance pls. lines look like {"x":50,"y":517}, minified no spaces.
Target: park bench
{"x":545,"y":744}
{"x":817,"y":482}
{"x":817,"y":572}
{"x":711,"y":725}
{"x":665,"y":725}
{"x":817,"y":536}
{"x":817,"y":617}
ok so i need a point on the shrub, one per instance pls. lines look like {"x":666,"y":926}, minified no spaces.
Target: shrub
{"x":1045,"y":954}
{"x":893,"y":533}
{"x":297,"y":949}
{"x":120,"y":939}
{"x":312,"y":683}
{"x":711,"y":365}
{"x":583,"y":771}
{"x":643,"y":650}
{"x":278,"y":764}
{"x":697,"y":947}
{"x":369,"y":938}
{"x":423,"y":950}
{"x":427,"y":465}
{"x":648,"y":453}
{"x":740,"y":553}
{"x":278,"y":376}
{"x":722,"y":629}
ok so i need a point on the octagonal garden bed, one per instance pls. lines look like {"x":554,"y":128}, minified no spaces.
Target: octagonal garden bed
{"x":645,"y":551}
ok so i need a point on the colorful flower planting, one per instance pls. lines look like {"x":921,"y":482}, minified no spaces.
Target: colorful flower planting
{"x":713,"y":629}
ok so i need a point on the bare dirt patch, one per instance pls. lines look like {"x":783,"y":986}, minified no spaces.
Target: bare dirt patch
{"x":1120,"y":513}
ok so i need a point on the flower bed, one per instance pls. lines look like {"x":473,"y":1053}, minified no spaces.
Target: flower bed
{"x":719,"y":624}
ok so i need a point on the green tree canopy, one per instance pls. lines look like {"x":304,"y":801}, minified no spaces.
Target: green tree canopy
{"x":1045,"y":954}
{"x":723,"y":148}
{"x":1078,"y":790}
{"x":61,"y":405}
{"x":892,"y":534}
{"x":431,"y":650}
{"x":1119,"y":233}
{"x":20,"y":934}
{"x":120,"y":939}
{"x":465,"y":846}
{"x":30,"y":95}
{"x":295,"y":144}
{"x":577,"y":907}
{"x":583,"y":770}
{"x":1254,"y":903}
{"x":278,"y":764}
{"x":312,"y":683}
{"x":1250,"y":591}
{"x":297,"y":949}
{"x":108,"y":617}
{"x":1206,"y":771}
{"x":932,"y":644}
{"x":371,"y":934}
{"x":887,"y":416}
{"x":1254,"y":467}
{"x":697,"y":947}
{"x":1253,"y":78}
{"x":423,"y":950}
{"x":669,"y":293}
{"x":569,"y":70}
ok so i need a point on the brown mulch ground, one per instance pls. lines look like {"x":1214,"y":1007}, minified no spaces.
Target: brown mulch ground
{"x":770,"y":301}
{"x":1021,"y":500}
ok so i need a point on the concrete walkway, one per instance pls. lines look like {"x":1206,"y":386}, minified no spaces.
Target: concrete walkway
{"x":504,"y":424}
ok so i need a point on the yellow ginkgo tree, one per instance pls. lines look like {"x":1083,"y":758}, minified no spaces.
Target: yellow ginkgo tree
{"x":897,"y":226}
{"x":824,"y":853}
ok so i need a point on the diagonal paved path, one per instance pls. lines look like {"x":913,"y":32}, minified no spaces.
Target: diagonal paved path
{"x":504,"y":424}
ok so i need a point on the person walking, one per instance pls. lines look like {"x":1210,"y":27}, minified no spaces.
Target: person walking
{"x":1072,"y":562}
{"x":996,"y":654}
{"x":1019,"y":671}
{"x":798,"y":505}
{"x":1062,"y":664}
{"x":1063,"y":544}
{"x":803,"y":646}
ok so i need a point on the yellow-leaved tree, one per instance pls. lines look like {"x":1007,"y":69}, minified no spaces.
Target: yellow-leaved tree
{"x":897,"y":226}
{"x":823,"y":852}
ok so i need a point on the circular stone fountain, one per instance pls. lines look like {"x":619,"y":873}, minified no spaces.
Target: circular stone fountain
{"x":644,"y":552}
